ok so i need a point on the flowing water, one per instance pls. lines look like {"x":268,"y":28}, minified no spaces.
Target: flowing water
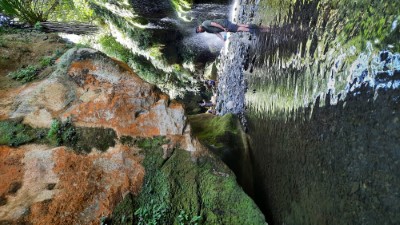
{"x":319,"y":95}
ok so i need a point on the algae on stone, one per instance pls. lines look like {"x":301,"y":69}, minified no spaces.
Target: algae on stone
{"x":14,"y":133}
{"x":80,"y":139}
{"x":224,"y":136}
{"x":202,"y":189}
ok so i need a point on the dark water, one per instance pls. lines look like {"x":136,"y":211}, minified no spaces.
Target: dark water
{"x":322,"y":103}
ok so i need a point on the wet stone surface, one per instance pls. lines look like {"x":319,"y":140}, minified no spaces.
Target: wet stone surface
{"x":322,"y":116}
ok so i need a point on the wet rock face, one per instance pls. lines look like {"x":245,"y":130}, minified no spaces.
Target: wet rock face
{"x":96,"y":91}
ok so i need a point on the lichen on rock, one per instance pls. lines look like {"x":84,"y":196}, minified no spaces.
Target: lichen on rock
{"x":112,"y":130}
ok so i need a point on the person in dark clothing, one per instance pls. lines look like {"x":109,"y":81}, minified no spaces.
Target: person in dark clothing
{"x":223,"y":25}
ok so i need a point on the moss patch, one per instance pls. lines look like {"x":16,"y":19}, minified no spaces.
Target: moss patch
{"x":82,"y":140}
{"x":26,"y":55}
{"x":213,"y":130}
{"x":124,"y":212}
{"x":14,"y":133}
{"x":225,"y":138}
{"x":221,"y":134}
{"x":183,"y":190}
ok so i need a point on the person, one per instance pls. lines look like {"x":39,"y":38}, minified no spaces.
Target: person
{"x":223,"y":25}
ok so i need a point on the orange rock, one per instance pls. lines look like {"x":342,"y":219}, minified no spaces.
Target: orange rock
{"x":58,"y":186}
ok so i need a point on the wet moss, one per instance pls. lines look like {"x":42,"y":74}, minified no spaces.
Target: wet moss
{"x":226,"y":139}
{"x":213,"y":130}
{"x":99,"y":138}
{"x":180,"y":188}
{"x":144,"y":37}
{"x":123,"y":213}
{"x":221,"y":134}
{"x":80,"y":139}
{"x":14,"y":133}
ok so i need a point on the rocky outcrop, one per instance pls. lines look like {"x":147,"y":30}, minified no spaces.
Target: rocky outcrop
{"x":100,"y":92}
{"x":45,"y":184}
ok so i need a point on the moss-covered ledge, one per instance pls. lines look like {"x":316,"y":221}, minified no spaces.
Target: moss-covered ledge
{"x":182,"y":189}
{"x":224,"y":136}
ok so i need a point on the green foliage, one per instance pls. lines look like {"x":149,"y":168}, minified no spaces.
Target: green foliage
{"x":180,"y":190}
{"x":212,"y":129}
{"x":143,"y":37}
{"x":14,"y":133}
{"x":53,"y":134}
{"x":123,"y":214}
{"x":2,"y":42}
{"x":46,"y":61}
{"x":30,"y":11}
{"x":115,"y":49}
{"x":73,"y":10}
{"x":143,"y":67}
{"x":151,"y":214}
{"x":31,"y":72}
{"x":184,"y":219}
{"x":61,"y":133}
{"x":38,"y":26}
{"x":25,"y":74}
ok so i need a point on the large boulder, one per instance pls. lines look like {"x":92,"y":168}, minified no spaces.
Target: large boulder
{"x":96,"y":91}
{"x":134,"y":133}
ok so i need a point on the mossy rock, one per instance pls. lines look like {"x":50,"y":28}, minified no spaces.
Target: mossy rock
{"x":14,"y":133}
{"x":80,"y":139}
{"x":180,"y":189}
{"x":224,"y":136}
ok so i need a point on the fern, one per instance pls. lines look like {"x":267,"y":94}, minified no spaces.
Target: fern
{"x":30,"y":11}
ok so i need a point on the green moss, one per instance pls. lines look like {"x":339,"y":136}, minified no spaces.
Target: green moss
{"x":124,"y":212}
{"x":14,"y":133}
{"x":25,"y":75}
{"x":80,"y":139}
{"x":226,"y":139}
{"x":140,"y":64}
{"x":99,"y":138}
{"x":113,"y":48}
{"x":183,"y":190}
{"x":213,"y":130}
{"x":62,"y":133}
{"x":144,"y":37}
